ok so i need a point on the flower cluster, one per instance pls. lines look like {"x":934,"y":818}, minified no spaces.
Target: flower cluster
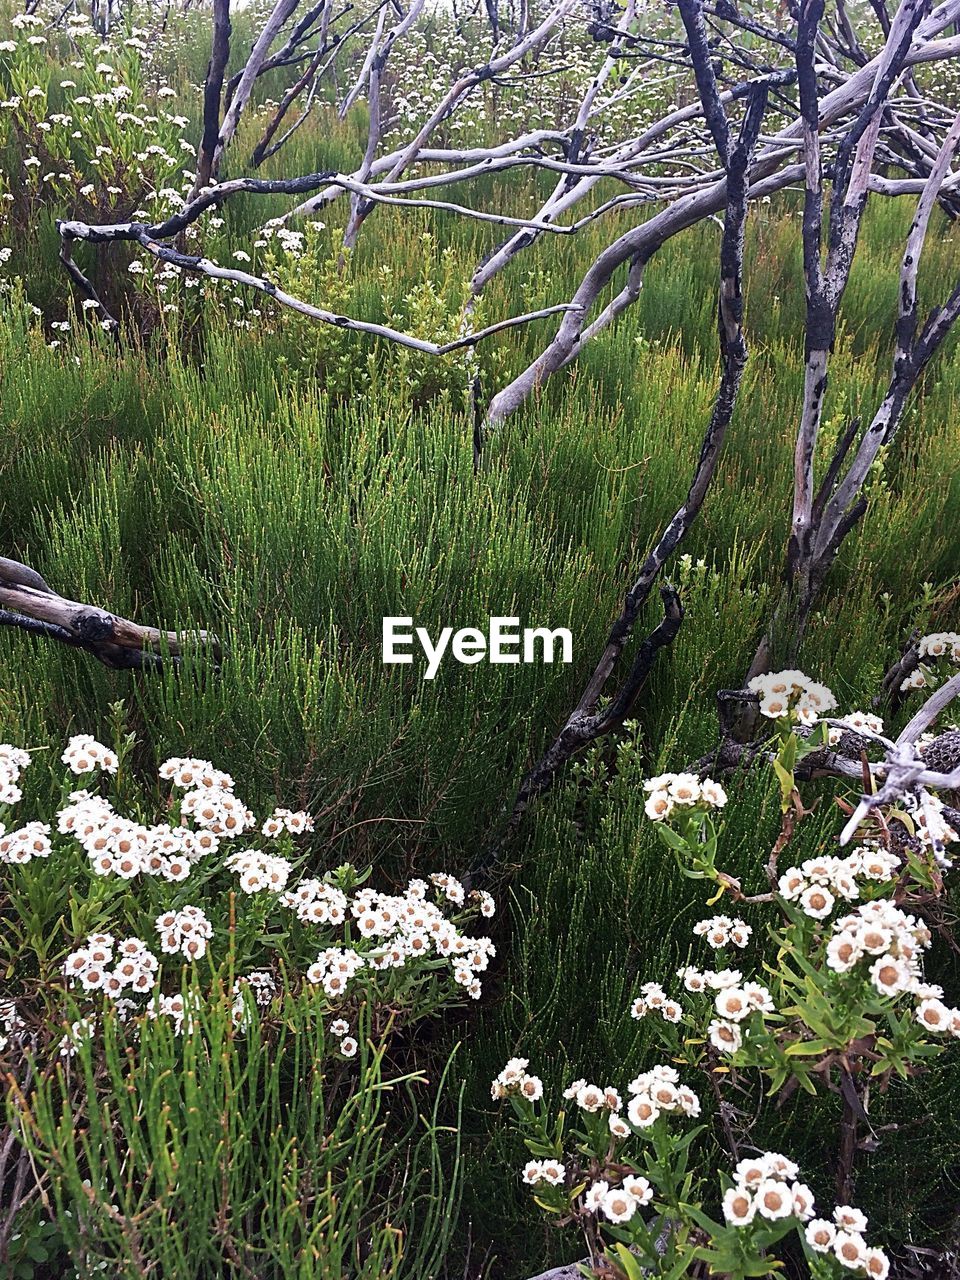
{"x":659,"y":1092}
{"x":399,"y":927}
{"x":296,"y":822}
{"x":722,"y":931}
{"x":185,"y":932}
{"x":671,"y":791}
{"x":937,"y":645}
{"x":930,"y":827}
{"x":13,"y":761}
{"x":180,"y":1010}
{"x":854,"y":722}
{"x":940,"y":644}
{"x":188,"y":773}
{"x":333,"y":969}
{"x":889,"y":943}
{"x":653,"y":998}
{"x":348,"y":1045}
{"x":600,"y":1182}
{"x":259,"y":871}
{"x":11,"y":1024}
{"x":119,"y":846}
{"x":27,"y":842}
{"x":551,"y":1172}
{"x":514,"y":1079}
{"x":116,"y":968}
{"x":792,"y":696}
{"x":379,"y":932}
{"x":818,"y":883}
{"x":766,"y":1185}
{"x":218,"y":810}
{"x":83,"y":754}
{"x":765,"y":1188}
{"x":734,"y":1000}
{"x":733,"y":1006}
{"x":618,"y":1204}
{"x":843,"y":1237}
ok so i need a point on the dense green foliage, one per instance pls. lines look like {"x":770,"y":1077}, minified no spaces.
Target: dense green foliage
{"x":287,"y":486}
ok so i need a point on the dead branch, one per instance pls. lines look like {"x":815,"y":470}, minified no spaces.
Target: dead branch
{"x":28,"y":604}
{"x":587,"y":723}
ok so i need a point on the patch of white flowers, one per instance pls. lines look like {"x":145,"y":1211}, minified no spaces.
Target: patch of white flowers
{"x":765,"y":1187}
{"x":11,"y":1024}
{"x":103,"y":964}
{"x":888,"y":943}
{"x":818,"y":883}
{"x":259,"y":871}
{"x":83,"y":754}
{"x":514,"y":1078}
{"x":933,"y":647}
{"x":791,"y":695}
{"x":670,"y":791}
{"x":13,"y":761}
{"x":185,"y":932}
{"x":652,"y":1094}
{"x":618,"y":1204}
{"x":382,"y":931}
{"x":722,"y":931}
{"x":854,"y":722}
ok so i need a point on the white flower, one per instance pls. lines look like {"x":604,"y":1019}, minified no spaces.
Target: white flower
{"x":532,"y":1172}
{"x":658,"y":806}
{"x":552,"y":1172}
{"x":593,"y":1199}
{"x":758,"y":997}
{"x":531,"y":1088}
{"x":820,"y":1235}
{"x":890,"y":975}
{"x":774,"y":1200}
{"x":750,"y":1173}
{"x":739,"y":1207}
{"x":791,"y":884}
{"x":591,"y":1098}
{"x":618,"y":1205}
{"x":843,"y":952}
{"x":639,"y":1188}
{"x":779,"y":1166}
{"x":876,"y":1264}
{"x":641,"y":1112}
{"x":684,"y":788}
{"x":850,"y":1249}
{"x":618,"y":1126}
{"x":349,"y":1047}
{"x":693,"y":979}
{"x":712,"y":793}
{"x":725,"y":1036}
{"x":802,"y":1201}
{"x":850,"y":1219}
{"x":817,"y":902}
{"x":733,"y":1004}
{"x":933,"y":1015}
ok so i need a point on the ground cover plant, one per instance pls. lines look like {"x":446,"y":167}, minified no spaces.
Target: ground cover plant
{"x":311,"y":316}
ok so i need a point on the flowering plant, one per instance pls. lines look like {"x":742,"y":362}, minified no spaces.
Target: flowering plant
{"x":625,"y":1177}
{"x":844,"y":1001}
{"x":169,"y":971}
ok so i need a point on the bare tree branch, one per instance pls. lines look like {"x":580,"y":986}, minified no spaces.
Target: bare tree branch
{"x":28,"y":604}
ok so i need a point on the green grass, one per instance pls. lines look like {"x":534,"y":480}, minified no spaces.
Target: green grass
{"x":287,"y":488}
